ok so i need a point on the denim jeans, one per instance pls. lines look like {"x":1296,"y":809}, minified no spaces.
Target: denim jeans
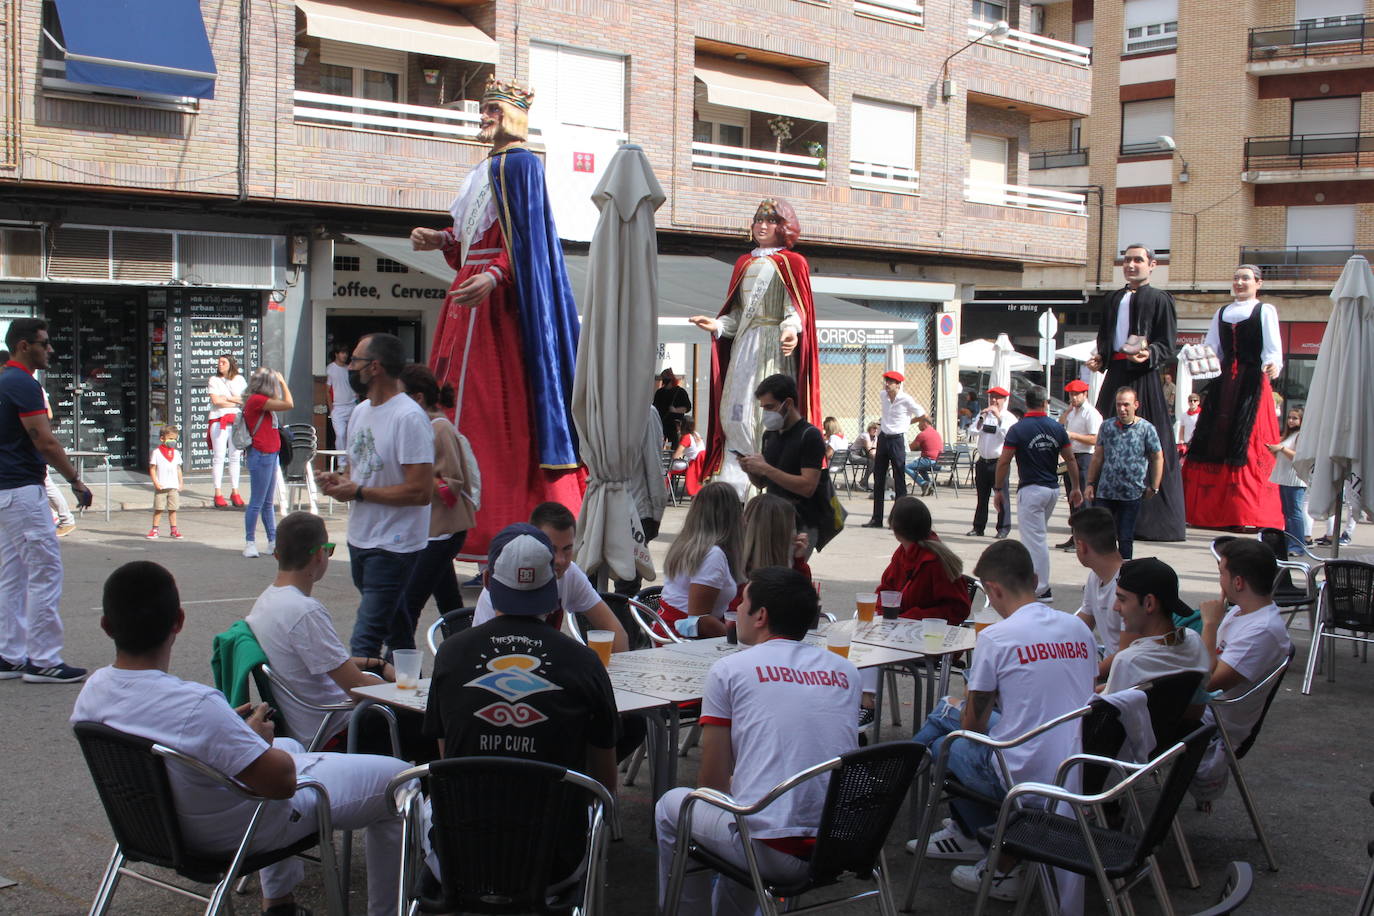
{"x":432,"y":574}
{"x":262,"y":486}
{"x":970,"y":763}
{"x":380,"y":577}
{"x":1294,"y":502}
{"x":1125,"y":511}
{"x":916,"y":468}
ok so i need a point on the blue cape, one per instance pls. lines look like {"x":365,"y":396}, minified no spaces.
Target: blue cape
{"x":548,"y":315}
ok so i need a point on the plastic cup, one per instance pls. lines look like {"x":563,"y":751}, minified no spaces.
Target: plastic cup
{"x":892,"y":604}
{"x":865,"y":604}
{"x":933,"y":632}
{"x":731,"y":628}
{"x":837,"y":640}
{"x":407,"y":665}
{"x":602,"y":641}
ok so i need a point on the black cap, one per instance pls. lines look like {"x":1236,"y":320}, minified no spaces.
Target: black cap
{"x":1151,"y":576}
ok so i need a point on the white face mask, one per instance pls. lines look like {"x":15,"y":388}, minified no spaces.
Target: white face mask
{"x":773,"y":420}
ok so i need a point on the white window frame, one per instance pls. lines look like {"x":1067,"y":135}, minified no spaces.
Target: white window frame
{"x":716,"y":115}
{"x":1151,"y":25}
{"x":979,"y":11}
{"x":565,"y":66}
{"x":1147,"y":224}
{"x":1327,"y":12}
{"x":362,"y":58}
{"x":872,"y":163}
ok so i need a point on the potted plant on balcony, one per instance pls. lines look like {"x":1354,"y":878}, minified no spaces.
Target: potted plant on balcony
{"x":817,"y":149}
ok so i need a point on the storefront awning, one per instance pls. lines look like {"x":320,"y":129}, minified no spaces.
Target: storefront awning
{"x":431,"y":263}
{"x":401,"y":27}
{"x":736,"y":84}
{"x":143,"y":46}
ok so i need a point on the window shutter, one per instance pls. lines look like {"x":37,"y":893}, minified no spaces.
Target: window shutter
{"x":1326,"y":116}
{"x":1147,"y":224}
{"x":987,"y":159}
{"x":1142,"y":122}
{"x":1318,"y":10}
{"x":1148,"y":12}
{"x":347,"y":54}
{"x":577,"y":87}
{"x":883,"y":133}
{"x":1317,"y":227}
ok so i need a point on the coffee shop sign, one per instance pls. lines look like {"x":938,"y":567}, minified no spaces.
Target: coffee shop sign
{"x":854,"y":337}
{"x":355,"y":289}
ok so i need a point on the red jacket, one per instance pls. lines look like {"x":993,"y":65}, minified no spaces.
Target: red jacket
{"x":926,"y":590}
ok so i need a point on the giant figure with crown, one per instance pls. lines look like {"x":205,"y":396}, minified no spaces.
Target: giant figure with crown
{"x":507,"y":336}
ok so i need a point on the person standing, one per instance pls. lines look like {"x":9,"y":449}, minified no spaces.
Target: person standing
{"x":1037,"y":443}
{"x":1292,"y":488}
{"x":928,"y":445}
{"x":391,"y":478}
{"x":165,"y":470}
{"x":342,"y":398}
{"x":899,"y":411}
{"x":30,"y":559}
{"x":1081,"y":421}
{"x":1127,"y":465}
{"x":1135,"y":340}
{"x":267,"y":393}
{"x":1226,"y":477}
{"x":790,"y":464}
{"x":992,"y":425}
{"x":672,"y":403}
{"x":227,"y":388}
{"x":1187,"y":424}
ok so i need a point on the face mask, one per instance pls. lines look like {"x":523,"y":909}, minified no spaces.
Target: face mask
{"x":355,"y":381}
{"x":773,"y":420}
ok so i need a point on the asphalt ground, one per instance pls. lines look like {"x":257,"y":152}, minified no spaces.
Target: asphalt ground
{"x":1309,"y":771}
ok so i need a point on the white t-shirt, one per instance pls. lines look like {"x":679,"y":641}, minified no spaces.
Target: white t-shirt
{"x":341,"y":393}
{"x":715,"y":572}
{"x":1186,"y":425}
{"x":196,"y":720}
{"x":1099,"y":601}
{"x":1085,"y":421}
{"x":695,"y":446}
{"x":380,"y":441}
{"x":789,"y":706}
{"x":226,"y":388}
{"x":165,"y":471}
{"x":302,"y":647}
{"x":576,"y":595}
{"x":1149,"y":657}
{"x":1253,"y":645}
{"x":1041,"y":664}
{"x":837,"y":442}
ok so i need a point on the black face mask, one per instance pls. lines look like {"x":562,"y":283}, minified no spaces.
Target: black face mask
{"x":355,"y":381}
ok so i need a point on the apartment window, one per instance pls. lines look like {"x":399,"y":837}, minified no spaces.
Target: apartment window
{"x":882,"y":145}
{"x":1146,"y":224}
{"x":362,"y":71}
{"x":1332,"y":117}
{"x":577,"y":87}
{"x":718,"y":124}
{"x":1083,"y":33}
{"x":1151,"y":25}
{"x":388,"y":266}
{"x":1328,"y":12}
{"x":989,"y":11}
{"x":1330,"y":227}
{"x":1143,"y":123}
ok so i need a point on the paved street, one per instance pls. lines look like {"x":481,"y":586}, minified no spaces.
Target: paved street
{"x":1310,"y":769}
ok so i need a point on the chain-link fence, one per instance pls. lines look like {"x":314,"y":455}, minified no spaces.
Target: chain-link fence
{"x":853,"y":362}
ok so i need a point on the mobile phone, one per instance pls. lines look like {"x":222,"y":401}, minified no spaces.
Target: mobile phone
{"x":737,"y":453}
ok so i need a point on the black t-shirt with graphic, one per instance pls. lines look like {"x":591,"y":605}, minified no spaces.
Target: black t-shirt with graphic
{"x":516,"y":687}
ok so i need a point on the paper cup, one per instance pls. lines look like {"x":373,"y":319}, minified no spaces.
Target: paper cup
{"x":891,"y":603}
{"x":865,"y":603}
{"x":837,"y":640}
{"x":933,"y":632}
{"x":602,"y":641}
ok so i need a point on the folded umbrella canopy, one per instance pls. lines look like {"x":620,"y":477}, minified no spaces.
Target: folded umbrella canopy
{"x":616,"y":356}
{"x":1336,"y":444}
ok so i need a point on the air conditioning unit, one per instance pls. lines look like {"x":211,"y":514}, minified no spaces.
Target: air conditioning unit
{"x":472,"y":106}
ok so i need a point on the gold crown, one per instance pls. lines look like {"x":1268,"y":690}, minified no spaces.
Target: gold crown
{"x":510,"y":93}
{"x":768,"y":209}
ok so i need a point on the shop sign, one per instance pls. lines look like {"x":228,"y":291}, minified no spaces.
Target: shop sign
{"x":356,"y":289}
{"x":854,"y":337}
{"x":18,"y":294}
{"x":1303,"y":338}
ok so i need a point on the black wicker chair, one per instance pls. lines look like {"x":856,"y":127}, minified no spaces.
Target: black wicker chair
{"x":448,"y":623}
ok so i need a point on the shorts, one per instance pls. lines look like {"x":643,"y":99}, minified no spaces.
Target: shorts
{"x":168,"y":500}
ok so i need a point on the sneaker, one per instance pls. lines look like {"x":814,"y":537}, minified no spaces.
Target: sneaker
{"x":236,"y":500}
{"x":1345,"y":540}
{"x":873,"y":524}
{"x":1005,"y":885}
{"x":1002,"y":535}
{"x":949,"y":842}
{"x":272,"y":547}
{"x":974,"y":533}
{"x":1323,"y":541}
{"x":250,"y":550}
{"x":53,"y":674}
{"x":1067,"y":545}
{"x":221,"y":502}
{"x":1046,"y":595}
{"x":10,"y":671}
{"x":64,"y":530}
{"x":176,"y":534}
{"x":152,"y":534}
{"x":865,"y":717}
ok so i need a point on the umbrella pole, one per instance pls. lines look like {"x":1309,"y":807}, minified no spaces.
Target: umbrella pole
{"x":1340,"y":506}
{"x":463,"y":370}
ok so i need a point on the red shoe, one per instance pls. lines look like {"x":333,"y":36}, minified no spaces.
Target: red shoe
{"x":176,"y":534}
{"x":221,"y":502}
{"x":152,"y":534}
{"x":237,"y":500}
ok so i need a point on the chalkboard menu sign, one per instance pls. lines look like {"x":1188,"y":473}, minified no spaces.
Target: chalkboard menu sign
{"x":93,"y":382}
{"x":203,"y":326}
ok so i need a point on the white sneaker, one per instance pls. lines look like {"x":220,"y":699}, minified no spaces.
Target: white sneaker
{"x":1006,"y":885}
{"x":250,"y":550}
{"x":949,"y":842}
{"x":272,"y":548}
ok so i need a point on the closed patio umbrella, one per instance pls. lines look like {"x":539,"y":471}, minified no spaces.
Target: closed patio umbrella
{"x":1337,"y":439}
{"x":1002,"y":352}
{"x":616,"y":356}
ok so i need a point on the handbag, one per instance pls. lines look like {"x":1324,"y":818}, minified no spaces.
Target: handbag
{"x":284,"y":453}
{"x":834,"y":518}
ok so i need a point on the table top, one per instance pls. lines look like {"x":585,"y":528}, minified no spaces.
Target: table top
{"x":416,"y":700}
{"x":76,"y":454}
{"x":861,"y":654}
{"x":905,"y":634}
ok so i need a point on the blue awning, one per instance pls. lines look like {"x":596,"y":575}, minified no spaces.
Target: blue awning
{"x":143,"y":46}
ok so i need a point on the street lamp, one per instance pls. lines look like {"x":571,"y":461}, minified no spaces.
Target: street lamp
{"x":1166,"y":142}
{"x":998,"y":29}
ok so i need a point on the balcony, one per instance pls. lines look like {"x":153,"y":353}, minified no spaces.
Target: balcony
{"x":1059,"y":159}
{"x":874,"y":176}
{"x":391,"y":117}
{"x":1034,"y":45}
{"x":1024,"y":197}
{"x":1307,"y":43}
{"x":713,"y":157}
{"x":1041,"y":78}
{"x":1302,"y":262}
{"x":906,"y":12}
{"x":1308,"y":157}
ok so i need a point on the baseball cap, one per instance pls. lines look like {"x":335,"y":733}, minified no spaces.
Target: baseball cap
{"x":895,"y":376}
{"x":1076,"y":385}
{"x":1151,"y":576}
{"x":520,"y":564}
{"x":1000,"y":391}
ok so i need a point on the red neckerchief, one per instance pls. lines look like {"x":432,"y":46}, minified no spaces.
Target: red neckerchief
{"x":168,"y":453}
{"x":12,"y":364}
{"x":1194,"y":411}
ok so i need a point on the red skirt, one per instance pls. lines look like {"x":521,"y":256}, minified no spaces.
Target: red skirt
{"x":1238,"y":496}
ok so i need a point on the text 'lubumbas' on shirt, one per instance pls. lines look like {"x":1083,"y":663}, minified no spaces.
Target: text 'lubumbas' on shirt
{"x":785,"y":675}
{"x":1045,"y":651}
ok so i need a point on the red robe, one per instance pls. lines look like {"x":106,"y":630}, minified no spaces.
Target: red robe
{"x":926,"y":590}
{"x":795,"y":275}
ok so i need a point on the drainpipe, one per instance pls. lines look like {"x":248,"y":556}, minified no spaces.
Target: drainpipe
{"x":242,"y":164}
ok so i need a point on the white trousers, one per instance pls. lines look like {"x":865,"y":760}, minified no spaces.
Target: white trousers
{"x":30,"y":579}
{"x":338,"y":418}
{"x":222,"y":446}
{"x":1034,"y":506}
{"x":716,"y":829}
{"x":357,"y":801}
{"x":57,"y":502}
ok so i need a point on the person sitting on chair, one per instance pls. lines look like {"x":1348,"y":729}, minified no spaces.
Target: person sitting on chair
{"x":1147,"y":603}
{"x":767,"y":713}
{"x":1094,"y":542}
{"x":141,"y":612}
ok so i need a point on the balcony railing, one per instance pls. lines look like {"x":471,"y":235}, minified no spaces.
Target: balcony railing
{"x":1059,"y":159}
{"x":1310,"y":151}
{"x":1302,"y":262}
{"x":907,"y":12}
{"x":1331,"y":36}
{"x":718,"y":158}
{"x":1034,"y":45}
{"x":1023,"y":197}
{"x":391,"y":117}
{"x":878,"y":177}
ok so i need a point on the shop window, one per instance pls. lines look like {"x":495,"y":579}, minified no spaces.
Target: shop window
{"x":347,"y":263}
{"x":388,"y":266}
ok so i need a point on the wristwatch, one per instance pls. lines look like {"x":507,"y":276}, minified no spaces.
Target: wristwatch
{"x":358,"y":494}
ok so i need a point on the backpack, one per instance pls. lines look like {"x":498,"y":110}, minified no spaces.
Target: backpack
{"x":240,"y":435}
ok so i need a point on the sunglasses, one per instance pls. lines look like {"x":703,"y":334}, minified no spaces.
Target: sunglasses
{"x":327,"y":547}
